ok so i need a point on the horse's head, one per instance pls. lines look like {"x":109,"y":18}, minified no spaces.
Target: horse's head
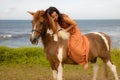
{"x":37,"y":24}
{"x":40,"y":23}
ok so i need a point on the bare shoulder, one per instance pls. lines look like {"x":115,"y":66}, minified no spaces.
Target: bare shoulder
{"x":64,"y":15}
{"x":68,"y":20}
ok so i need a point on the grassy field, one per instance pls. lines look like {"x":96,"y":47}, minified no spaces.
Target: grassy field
{"x":29,"y":63}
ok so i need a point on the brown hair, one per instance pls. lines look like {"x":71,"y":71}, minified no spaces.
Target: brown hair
{"x":50,"y":10}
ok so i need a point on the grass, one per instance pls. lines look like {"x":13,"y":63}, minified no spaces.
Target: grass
{"x":22,"y":55}
{"x":29,"y":63}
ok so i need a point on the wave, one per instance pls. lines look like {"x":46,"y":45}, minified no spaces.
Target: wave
{"x":5,"y":36}
{"x":8,"y":36}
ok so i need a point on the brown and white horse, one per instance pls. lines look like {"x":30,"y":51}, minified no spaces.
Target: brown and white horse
{"x":56,"y":49}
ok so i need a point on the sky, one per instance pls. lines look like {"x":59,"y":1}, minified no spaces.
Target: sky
{"x":76,"y":9}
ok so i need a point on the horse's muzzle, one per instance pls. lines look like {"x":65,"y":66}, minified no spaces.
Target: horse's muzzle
{"x":34,"y":40}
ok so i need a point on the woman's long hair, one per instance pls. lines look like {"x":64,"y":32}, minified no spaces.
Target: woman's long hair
{"x":50,"y":10}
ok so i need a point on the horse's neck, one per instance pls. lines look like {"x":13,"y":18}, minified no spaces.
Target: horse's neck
{"x":50,"y":36}
{"x":47,"y":40}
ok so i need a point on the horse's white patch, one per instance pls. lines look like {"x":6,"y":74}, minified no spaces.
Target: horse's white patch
{"x":60,"y":57}
{"x":65,"y":35}
{"x":62,"y":33}
{"x":95,"y":70}
{"x":60,"y":51}
{"x":59,"y":77}
{"x":49,"y":31}
{"x":103,"y":37}
{"x":54,"y":74}
{"x":113,"y":69}
{"x":33,"y":33}
{"x":55,"y":36}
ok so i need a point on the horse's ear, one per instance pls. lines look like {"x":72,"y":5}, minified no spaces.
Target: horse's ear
{"x":32,"y":13}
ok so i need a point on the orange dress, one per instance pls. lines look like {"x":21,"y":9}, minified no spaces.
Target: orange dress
{"x":78,"y":45}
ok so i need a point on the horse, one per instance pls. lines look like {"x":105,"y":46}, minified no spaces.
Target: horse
{"x":56,"y":45}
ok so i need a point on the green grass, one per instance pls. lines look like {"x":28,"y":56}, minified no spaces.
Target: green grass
{"x":29,"y":63}
{"x":22,"y":55}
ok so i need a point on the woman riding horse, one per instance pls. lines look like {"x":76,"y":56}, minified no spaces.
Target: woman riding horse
{"x":56,"y":43}
{"x":78,"y":44}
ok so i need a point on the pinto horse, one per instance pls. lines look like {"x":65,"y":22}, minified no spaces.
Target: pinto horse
{"x":56,"y":49}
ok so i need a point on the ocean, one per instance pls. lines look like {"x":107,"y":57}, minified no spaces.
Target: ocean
{"x":16,"y":33}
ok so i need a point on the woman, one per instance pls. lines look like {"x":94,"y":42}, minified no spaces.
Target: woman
{"x":78,"y":44}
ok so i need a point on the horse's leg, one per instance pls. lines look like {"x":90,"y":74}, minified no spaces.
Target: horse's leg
{"x":113,"y":69}
{"x":60,"y":57}
{"x":95,"y":70}
{"x":57,"y":65}
{"x":59,"y":77}
{"x":57,"y":71}
{"x":54,"y":69}
{"x":54,"y":74}
{"x":104,"y":72}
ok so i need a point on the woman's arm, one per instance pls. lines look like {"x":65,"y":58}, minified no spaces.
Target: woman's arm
{"x":72,"y":23}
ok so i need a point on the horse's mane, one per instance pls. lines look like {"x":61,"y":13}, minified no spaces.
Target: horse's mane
{"x":50,"y":22}
{"x":47,"y":20}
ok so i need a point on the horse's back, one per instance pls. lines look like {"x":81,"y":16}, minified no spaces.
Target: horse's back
{"x":99,"y":45}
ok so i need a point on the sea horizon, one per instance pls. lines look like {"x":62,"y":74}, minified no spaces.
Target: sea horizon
{"x":16,"y":33}
{"x":73,"y":19}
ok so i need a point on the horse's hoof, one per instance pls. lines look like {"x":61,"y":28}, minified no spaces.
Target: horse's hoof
{"x":86,"y":66}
